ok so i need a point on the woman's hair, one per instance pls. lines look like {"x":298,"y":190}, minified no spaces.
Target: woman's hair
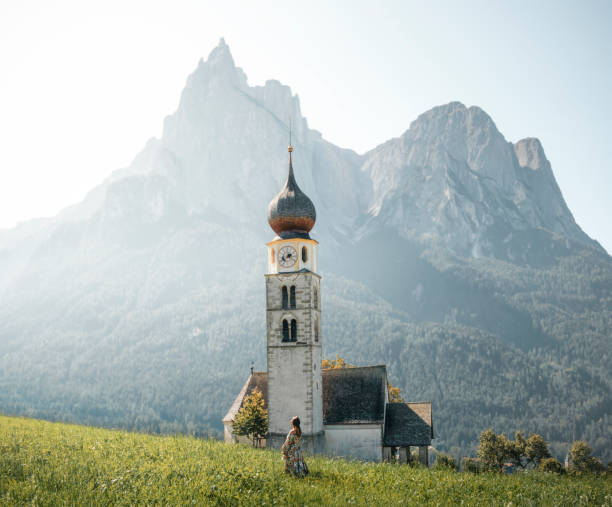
{"x":295,"y":422}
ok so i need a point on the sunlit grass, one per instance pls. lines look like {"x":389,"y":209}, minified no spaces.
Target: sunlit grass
{"x":60,"y":464}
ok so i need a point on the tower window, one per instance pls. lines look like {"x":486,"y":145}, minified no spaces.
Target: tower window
{"x":316,"y":330}
{"x":285,"y":299}
{"x":286,"y":330}
{"x":315,"y":298}
{"x":304,"y":254}
{"x":293,"y":330}
{"x":292,"y":296}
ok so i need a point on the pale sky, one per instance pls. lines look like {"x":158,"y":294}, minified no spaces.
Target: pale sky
{"x":84,"y":84}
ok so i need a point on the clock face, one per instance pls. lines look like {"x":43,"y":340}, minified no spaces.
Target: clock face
{"x":287,"y":256}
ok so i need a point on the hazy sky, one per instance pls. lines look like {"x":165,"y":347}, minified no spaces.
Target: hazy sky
{"x":84,"y":84}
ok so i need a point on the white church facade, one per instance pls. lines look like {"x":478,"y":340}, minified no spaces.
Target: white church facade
{"x":344,"y":411}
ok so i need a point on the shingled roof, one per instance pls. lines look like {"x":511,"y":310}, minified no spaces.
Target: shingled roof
{"x":408,"y":424}
{"x":350,"y":395}
{"x":259,"y":380}
{"x":354,"y":395}
{"x":357,"y":395}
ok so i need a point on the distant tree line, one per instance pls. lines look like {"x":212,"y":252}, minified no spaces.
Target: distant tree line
{"x":496,"y":452}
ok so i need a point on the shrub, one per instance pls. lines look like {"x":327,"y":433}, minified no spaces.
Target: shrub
{"x":550,"y":465}
{"x":473,"y":465}
{"x":445,"y":462}
{"x":581,"y":459}
{"x":496,"y":451}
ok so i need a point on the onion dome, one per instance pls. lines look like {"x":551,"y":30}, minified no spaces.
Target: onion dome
{"x":291,"y":213}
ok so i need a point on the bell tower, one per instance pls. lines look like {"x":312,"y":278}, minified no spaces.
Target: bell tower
{"x":293,"y":317}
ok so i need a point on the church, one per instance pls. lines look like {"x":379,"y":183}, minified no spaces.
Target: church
{"x":345,"y":411}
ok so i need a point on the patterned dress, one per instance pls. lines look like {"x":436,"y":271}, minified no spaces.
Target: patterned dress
{"x":292,"y":456}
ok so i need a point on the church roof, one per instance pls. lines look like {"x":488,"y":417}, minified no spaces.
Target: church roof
{"x":350,"y":395}
{"x":408,"y":424}
{"x":358,"y":396}
{"x":354,"y":395}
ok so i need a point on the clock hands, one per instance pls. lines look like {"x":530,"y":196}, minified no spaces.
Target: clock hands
{"x":287,"y":256}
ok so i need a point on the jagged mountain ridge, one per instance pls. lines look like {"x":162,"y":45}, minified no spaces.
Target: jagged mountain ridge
{"x":159,"y":270}
{"x":450,"y":175}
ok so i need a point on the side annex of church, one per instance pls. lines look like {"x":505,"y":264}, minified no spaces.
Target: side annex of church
{"x":343,"y":412}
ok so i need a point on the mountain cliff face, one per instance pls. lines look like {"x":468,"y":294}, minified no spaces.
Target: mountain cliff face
{"x":452,"y":175}
{"x":223,"y":152}
{"x":447,"y":253}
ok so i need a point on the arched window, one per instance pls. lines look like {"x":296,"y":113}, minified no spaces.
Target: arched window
{"x":316,"y":330}
{"x":286,"y":330}
{"x":315,"y":298}
{"x":285,"y":298}
{"x":304,"y":254}
{"x":293,"y":330}
{"x":292,"y":296}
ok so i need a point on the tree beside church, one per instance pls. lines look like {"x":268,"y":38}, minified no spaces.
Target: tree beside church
{"x":252,"y":418}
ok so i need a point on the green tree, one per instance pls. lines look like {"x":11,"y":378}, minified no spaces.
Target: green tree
{"x":252,"y":418}
{"x":493,"y":449}
{"x":581,"y":459}
{"x":536,"y":450}
{"x":515,"y":451}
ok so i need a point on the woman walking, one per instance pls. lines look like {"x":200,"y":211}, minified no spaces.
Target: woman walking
{"x":292,"y":454}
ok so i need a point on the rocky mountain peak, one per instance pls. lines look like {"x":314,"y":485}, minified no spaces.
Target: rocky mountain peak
{"x":220,"y":56}
{"x":529,"y":153}
{"x":452,"y":175}
{"x":214,"y":75}
{"x":448,"y":120}
{"x":458,"y":133}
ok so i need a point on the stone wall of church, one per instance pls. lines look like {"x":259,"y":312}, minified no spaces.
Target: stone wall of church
{"x":357,"y":441}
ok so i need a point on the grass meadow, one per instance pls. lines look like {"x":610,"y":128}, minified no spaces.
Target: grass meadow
{"x":44,"y":463}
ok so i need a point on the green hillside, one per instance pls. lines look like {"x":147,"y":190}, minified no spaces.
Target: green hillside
{"x":46,"y":463}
